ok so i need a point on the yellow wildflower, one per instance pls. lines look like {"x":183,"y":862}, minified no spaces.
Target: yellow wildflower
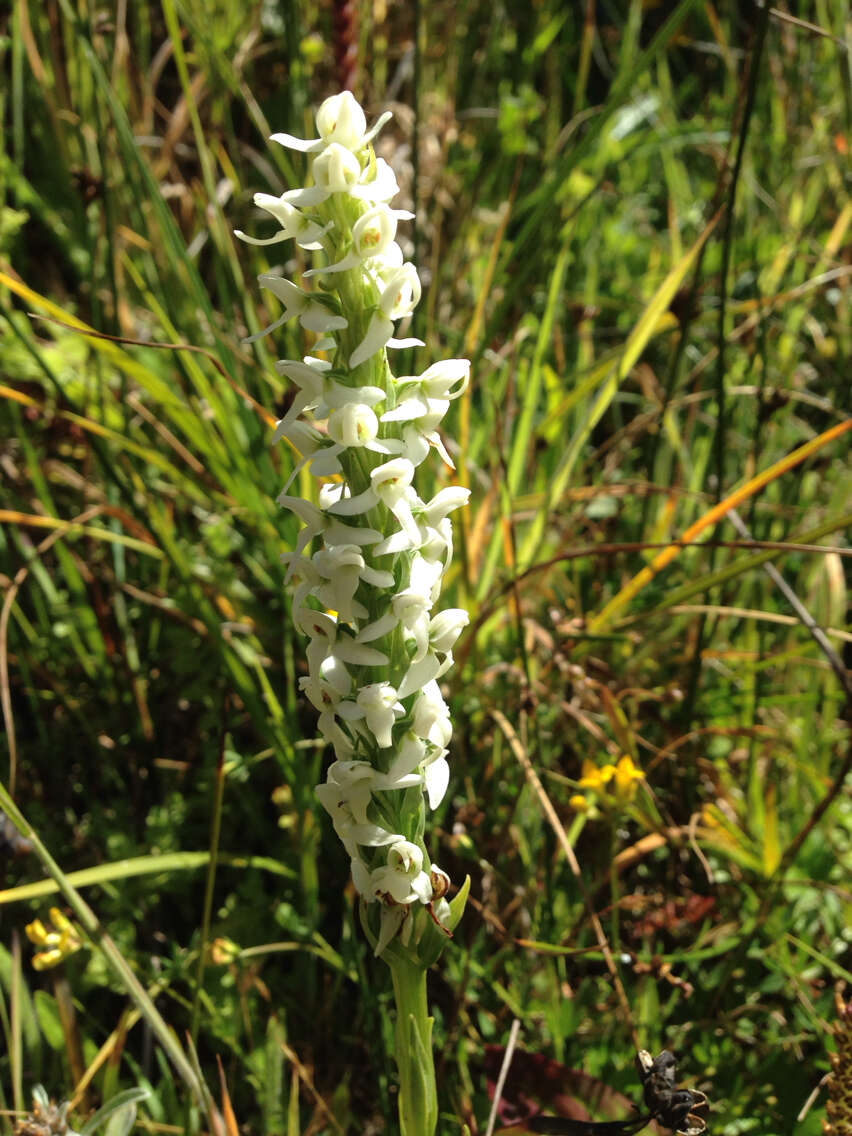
{"x":224,"y":951}
{"x":595,"y":777}
{"x":56,"y":945}
{"x":626,"y":776}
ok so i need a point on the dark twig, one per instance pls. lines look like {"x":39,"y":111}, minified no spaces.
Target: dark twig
{"x":819,"y":636}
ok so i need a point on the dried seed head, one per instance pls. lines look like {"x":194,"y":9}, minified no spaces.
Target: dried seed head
{"x":46,"y":1118}
{"x":839,"y":1105}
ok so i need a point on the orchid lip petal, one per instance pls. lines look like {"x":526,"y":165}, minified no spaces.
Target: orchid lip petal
{"x":338,"y":532}
{"x":319,"y":319}
{"x":437,"y":780}
{"x":408,"y":409}
{"x":379,"y":627}
{"x":386,"y":116}
{"x":410,"y":342}
{"x":348,"y":651}
{"x":372,"y":836}
{"x":377,"y":578}
{"x":353,"y":506}
{"x":397,"y":542}
{"x":379,"y":331}
{"x":312,"y":195}
{"x":282,"y":236}
{"x":350,"y":261}
{"x":267,"y":330}
{"x":418,"y":675}
{"x":306,"y":145}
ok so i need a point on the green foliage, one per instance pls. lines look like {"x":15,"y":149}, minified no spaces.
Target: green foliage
{"x":568,"y":174}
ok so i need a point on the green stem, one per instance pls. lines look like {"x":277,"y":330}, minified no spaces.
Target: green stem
{"x":418,"y":1095}
{"x":614,"y":889}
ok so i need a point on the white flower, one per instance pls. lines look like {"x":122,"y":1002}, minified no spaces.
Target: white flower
{"x":341,"y":566}
{"x":431,"y":719}
{"x":360,"y":875}
{"x":313,"y":315}
{"x":437,"y":778}
{"x":336,"y":736}
{"x":381,"y":626}
{"x":328,"y":638}
{"x":414,"y":765}
{"x":399,"y":298}
{"x":404,"y":769}
{"x":446,"y":627}
{"x":354,"y":424}
{"x":302,"y":574}
{"x":425,"y":401}
{"x":381,"y":187}
{"x":321,"y":694}
{"x":374,"y":231}
{"x":317,"y":521}
{"x":346,"y":794}
{"x":402,"y":879}
{"x":390,"y":484}
{"x":402,"y":293}
{"x":308,"y":377}
{"x":378,"y":706}
{"x":294,"y":225}
{"x":437,"y":547}
{"x":372,"y":237}
{"x":313,"y":519}
{"x":336,"y":169}
{"x":317,"y":452}
{"x":336,"y":675}
{"x":381,"y":706}
{"x":340,"y":120}
{"x":420,"y":674}
{"x":444,"y":502}
{"x":301,"y":435}
{"x":411,"y":609}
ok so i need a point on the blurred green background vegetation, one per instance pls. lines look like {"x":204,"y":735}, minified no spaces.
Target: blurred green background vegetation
{"x":634,"y":218}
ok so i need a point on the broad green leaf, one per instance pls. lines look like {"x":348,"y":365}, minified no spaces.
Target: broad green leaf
{"x":143,"y":866}
{"x":47,"y":1012}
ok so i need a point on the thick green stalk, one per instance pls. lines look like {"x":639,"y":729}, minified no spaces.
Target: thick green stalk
{"x":418,"y":1093}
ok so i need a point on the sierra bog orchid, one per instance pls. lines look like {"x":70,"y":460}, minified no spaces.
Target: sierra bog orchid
{"x":368,"y":563}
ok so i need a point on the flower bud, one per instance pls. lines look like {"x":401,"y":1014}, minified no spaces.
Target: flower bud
{"x":336,"y":169}
{"x":341,"y":120}
{"x":440,"y":882}
{"x":353,"y":425}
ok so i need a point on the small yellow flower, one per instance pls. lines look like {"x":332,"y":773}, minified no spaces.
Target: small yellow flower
{"x":224,"y":951}
{"x":709,"y":818}
{"x":56,"y":945}
{"x":626,"y":776}
{"x":36,"y":932}
{"x":595,"y":777}
{"x":579,"y":803}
